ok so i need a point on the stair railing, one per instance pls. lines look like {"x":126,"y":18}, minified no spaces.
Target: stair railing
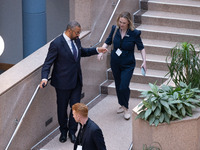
{"x":131,"y":146}
{"x":20,"y":122}
{"x":100,"y":40}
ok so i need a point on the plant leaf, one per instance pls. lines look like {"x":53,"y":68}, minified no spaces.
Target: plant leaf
{"x":179,"y":106}
{"x":193,"y":100}
{"x":190,"y":105}
{"x":162,"y":117}
{"x":157,"y":112}
{"x":175,"y":114}
{"x":147,"y":113}
{"x":176,"y":102}
{"x":166,"y":117}
{"x":156,"y":122}
{"x":175,"y":95}
{"x":164,"y":103}
{"x":151,"y":119}
{"x":140,"y":115}
{"x":183,"y":111}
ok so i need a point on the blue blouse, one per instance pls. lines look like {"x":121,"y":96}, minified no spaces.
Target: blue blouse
{"x":126,"y":45}
{"x":129,"y":41}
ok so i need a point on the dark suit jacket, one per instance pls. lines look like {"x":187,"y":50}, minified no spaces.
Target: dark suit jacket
{"x":66,"y":71}
{"x":92,"y":137}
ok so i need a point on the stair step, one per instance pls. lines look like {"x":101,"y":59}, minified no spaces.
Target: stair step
{"x":158,"y":47}
{"x":151,"y":76}
{"x":176,"y":6}
{"x":169,"y":33}
{"x":155,"y":62}
{"x":135,"y":89}
{"x":171,"y":19}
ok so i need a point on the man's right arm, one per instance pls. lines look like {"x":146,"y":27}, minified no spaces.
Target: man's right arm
{"x":50,"y":58}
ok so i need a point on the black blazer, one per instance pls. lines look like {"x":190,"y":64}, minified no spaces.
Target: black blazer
{"x":66,"y":71}
{"x":92,"y":138}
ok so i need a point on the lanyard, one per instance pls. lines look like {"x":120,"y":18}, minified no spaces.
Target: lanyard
{"x":121,"y":40}
{"x":82,"y":130}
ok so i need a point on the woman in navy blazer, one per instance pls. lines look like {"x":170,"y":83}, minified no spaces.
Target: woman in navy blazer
{"x":123,"y":58}
{"x":90,"y":136}
{"x":64,"y":55}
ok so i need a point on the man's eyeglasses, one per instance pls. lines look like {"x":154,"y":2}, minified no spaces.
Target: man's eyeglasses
{"x":77,"y":33}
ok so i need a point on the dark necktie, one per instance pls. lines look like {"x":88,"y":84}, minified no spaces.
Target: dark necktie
{"x":74,"y":49}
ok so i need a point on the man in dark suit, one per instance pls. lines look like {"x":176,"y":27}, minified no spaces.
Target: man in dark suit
{"x":64,"y":55}
{"x":90,"y":136}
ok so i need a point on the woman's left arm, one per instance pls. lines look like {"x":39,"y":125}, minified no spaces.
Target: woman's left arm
{"x":143,"y":54}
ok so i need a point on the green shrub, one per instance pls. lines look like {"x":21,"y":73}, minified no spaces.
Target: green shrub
{"x":168,"y":103}
{"x":184,"y":64}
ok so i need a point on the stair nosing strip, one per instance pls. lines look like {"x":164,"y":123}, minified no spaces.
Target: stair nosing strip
{"x":188,"y":34}
{"x":162,"y":17}
{"x":152,"y":45}
{"x":156,"y":76}
{"x":168,"y":3}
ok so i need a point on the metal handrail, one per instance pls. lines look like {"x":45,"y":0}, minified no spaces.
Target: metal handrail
{"x":19,"y":124}
{"x":22,"y":118}
{"x":100,"y":40}
{"x":131,"y":146}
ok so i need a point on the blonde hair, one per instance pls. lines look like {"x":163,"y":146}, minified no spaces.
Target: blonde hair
{"x":128,"y":16}
{"x":81,"y":109}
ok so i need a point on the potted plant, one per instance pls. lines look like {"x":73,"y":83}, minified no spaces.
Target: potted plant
{"x":168,"y":103}
{"x":184,"y":64}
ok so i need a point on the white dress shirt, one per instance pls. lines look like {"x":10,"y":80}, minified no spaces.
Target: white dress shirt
{"x":68,"y":40}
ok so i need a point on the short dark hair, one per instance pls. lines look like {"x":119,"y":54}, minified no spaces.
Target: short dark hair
{"x":72,"y":24}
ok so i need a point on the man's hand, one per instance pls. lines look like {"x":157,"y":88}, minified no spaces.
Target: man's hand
{"x":102,"y":49}
{"x":43,"y":83}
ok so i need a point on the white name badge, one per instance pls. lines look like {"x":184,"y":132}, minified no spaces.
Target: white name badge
{"x":118,"y":52}
{"x":79,"y":147}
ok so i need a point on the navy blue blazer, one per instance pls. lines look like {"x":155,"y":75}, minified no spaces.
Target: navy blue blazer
{"x":92,"y":138}
{"x":66,"y":71}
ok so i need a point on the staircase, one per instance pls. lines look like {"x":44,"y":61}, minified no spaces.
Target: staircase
{"x":163,"y":23}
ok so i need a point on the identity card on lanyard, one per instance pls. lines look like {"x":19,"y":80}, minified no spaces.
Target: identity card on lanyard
{"x":79,"y":147}
{"x":118,"y":52}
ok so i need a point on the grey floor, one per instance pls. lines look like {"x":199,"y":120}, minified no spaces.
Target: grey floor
{"x":116,"y":130}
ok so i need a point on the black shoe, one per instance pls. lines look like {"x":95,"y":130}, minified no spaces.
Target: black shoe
{"x":72,"y":137}
{"x":63,"y":137}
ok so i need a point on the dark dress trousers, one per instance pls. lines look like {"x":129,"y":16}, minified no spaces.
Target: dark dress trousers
{"x":66,"y":77}
{"x":90,"y":137}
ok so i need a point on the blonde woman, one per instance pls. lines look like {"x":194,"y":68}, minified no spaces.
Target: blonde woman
{"x":122,"y":57}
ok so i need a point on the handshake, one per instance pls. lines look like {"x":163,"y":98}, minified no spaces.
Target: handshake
{"x":101,"y":51}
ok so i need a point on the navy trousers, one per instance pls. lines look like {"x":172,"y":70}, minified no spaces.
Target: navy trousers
{"x":122,"y":69}
{"x":65,"y":98}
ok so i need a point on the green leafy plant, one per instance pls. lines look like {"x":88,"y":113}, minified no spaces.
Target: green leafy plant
{"x":153,"y":146}
{"x":168,"y":103}
{"x":184,"y":64}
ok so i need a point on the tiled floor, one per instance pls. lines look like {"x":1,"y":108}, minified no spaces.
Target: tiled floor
{"x":116,"y":130}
